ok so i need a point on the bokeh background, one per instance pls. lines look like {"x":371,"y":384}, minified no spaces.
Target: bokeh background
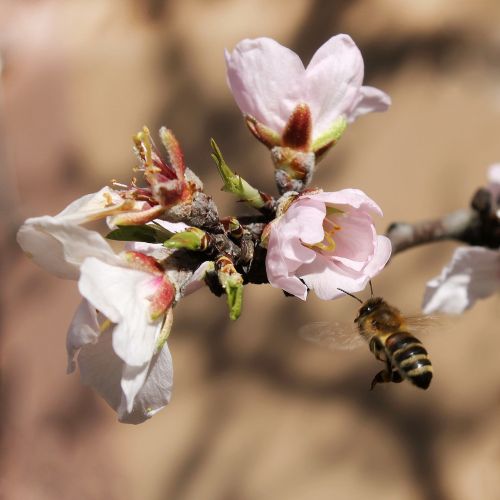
{"x":257,"y":412}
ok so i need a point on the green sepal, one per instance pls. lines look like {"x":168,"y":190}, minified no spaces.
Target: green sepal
{"x":147,"y":233}
{"x":234,"y":183}
{"x":330,"y":136}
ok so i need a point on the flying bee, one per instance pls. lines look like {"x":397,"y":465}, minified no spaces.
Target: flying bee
{"x":387,"y":332}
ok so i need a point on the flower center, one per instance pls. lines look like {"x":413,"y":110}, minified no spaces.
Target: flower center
{"x":327,"y":244}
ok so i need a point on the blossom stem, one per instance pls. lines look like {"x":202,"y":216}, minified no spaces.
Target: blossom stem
{"x":463,"y":225}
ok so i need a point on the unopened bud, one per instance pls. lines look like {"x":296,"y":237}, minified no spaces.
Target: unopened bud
{"x":192,"y":238}
{"x":233,"y":227}
{"x":234,"y":183}
{"x":232,"y":283}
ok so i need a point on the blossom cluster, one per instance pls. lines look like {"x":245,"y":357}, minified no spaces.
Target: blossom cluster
{"x":169,"y":240}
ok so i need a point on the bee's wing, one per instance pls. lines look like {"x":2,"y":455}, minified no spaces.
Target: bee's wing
{"x":419,"y":323}
{"x":332,"y":335}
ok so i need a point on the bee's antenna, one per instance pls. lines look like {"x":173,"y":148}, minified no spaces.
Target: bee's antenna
{"x":371,"y":288}
{"x":351,"y":295}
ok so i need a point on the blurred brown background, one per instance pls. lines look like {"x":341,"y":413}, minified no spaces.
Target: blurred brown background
{"x":257,"y":412}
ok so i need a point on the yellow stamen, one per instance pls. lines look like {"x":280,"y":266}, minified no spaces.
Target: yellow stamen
{"x":105,"y":325}
{"x":108,"y":199}
{"x":330,"y":244}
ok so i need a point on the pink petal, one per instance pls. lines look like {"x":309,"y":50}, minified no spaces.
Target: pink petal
{"x":334,"y":77}
{"x":355,"y":241}
{"x":349,"y":197}
{"x":472,"y":274}
{"x":277,"y":270}
{"x":368,"y":99}
{"x":266,"y":80}
{"x":383,"y":250}
{"x":304,"y":219}
{"x":324,"y":277}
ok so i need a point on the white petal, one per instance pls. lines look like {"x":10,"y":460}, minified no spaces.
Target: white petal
{"x":122,"y":296}
{"x":156,"y":250}
{"x":197,"y":280}
{"x":84,"y":329}
{"x":91,"y":207}
{"x":334,"y":77}
{"x":494,"y":184}
{"x":133,"y":378}
{"x":156,"y":392}
{"x":102,"y":369}
{"x":266,"y":80}
{"x":473,"y":273}
{"x":173,"y":227}
{"x":494,"y":173}
{"x":60,"y":248}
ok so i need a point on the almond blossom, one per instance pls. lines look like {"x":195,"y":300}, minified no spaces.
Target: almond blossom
{"x":326,"y":241}
{"x":473,"y":272}
{"x":270,"y":85}
{"x":121,"y":349}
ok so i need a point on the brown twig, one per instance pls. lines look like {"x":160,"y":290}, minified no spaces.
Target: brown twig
{"x":478,"y":225}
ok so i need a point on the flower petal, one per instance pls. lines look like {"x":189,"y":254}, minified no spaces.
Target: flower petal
{"x":91,"y":207}
{"x":266,"y":80}
{"x":349,"y":197}
{"x":60,"y":248}
{"x":84,"y":329}
{"x":473,"y":273}
{"x":197,"y":280}
{"x":334,"y":77}
{"x":325,"y":277}
{"x":355,"y":240}
{"x":122,"y":296}
{"x":383,"y":250}
{"x":278,"y":272}
{"x":368,"y":99}
{"x":156,"y":391}
{"x":102,"y":369}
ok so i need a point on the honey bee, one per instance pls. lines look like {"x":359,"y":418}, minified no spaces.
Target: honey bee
{"x":387,"y":332}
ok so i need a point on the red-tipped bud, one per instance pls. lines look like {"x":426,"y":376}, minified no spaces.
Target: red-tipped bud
{"x":298,"y":130}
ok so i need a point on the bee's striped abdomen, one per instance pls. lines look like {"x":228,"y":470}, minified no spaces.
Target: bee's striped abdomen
{"x":410,"y":358}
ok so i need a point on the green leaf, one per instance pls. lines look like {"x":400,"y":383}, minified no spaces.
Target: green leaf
{"x":145,"y":233}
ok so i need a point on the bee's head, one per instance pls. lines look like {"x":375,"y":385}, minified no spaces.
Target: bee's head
{"x":368,"y":307}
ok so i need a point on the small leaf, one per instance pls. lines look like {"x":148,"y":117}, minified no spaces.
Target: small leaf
{"x":145,"y":233}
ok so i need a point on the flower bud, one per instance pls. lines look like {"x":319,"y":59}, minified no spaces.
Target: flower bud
{"x":232,"y":283}
{"x":192,"y":238}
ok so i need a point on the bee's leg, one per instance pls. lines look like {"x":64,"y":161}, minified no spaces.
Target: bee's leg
{"x":382,"y":377}
{"x":378,"y":350}
{"x":396,"y":377}
{"x":387,"y":375}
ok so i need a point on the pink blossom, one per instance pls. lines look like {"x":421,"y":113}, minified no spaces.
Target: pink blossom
{"x":472,"y":274}
{"x":269,"y":82}
{"x":326,"y":241}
